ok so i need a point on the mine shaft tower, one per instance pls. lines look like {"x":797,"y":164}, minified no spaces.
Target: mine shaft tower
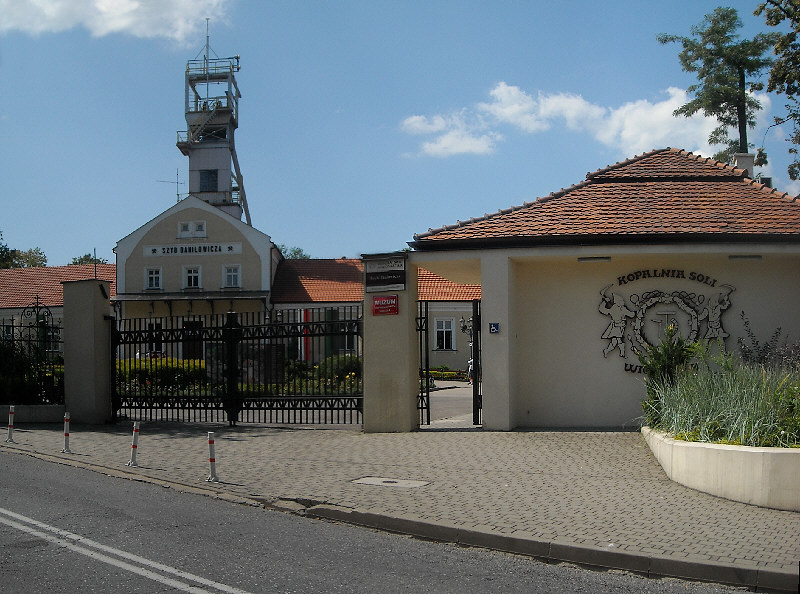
{"x":212,"y":114}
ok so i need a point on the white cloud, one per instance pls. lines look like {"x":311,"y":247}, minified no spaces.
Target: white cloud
{"x":176,"y":20}
{"x":459,"y":142}
{"x":632,"y":128}
{"x":458,"y":133}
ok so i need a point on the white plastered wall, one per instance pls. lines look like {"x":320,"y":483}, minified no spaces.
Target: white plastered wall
{"x":546,"y":367}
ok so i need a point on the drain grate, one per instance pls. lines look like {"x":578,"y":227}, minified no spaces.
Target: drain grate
{"x":389,"y":482}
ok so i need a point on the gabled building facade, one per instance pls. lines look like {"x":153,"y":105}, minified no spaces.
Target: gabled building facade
{"x":194,"y":259}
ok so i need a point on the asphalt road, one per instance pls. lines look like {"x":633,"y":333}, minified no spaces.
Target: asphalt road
{"x":64,"y":529}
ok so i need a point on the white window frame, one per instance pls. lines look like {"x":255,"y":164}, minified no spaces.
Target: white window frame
{"x":225,"y":269}
{"x":159,"y":275}
{"x":186,"y":270}
{"x":451,"y":330}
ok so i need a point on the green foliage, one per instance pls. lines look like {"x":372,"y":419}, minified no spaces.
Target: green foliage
{"x":717,"y":397}
{"x":296,"y":369}
{"x":723,"y":65}
{"x":88,"y":259}
{"x":292,"y":252}
{"x":661,"y":362}
{"x":784,"y":77}
{"x":31,"y":258}
{"x":739,"y":403}
{"x":163,"y":373}
{"x":776,"y":352}
{"x":340,"y":367}
{"x":10,"y":258}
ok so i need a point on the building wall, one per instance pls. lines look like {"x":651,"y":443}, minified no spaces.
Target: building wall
{"x":162,"y":245}
{"x":560,"y":375}
{"x":452,"y":312}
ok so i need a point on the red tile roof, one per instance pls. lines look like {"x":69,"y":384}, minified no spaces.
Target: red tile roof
{"x":318,"y":281}
{"x":20,"y":286}
{"x":435,"y":288}
{"x":665,"y":195}
{"x":296,"y":281}
{"x":336,"y":281}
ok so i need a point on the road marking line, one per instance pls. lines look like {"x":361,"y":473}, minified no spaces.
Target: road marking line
{"x":66,"y":539}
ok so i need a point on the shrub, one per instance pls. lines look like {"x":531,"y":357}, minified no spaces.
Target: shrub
{"x":777,"y":351}
{"x":167,"y":372}
{"x":660,"y":364}
{"x":339,"y":367}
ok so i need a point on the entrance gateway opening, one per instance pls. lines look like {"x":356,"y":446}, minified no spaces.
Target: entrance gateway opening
{"x":428,"y":377}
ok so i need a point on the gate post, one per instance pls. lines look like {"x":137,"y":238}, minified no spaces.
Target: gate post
{"x":231,"y":337}
{"x":391,"y":359}
{"x":88,"y":379}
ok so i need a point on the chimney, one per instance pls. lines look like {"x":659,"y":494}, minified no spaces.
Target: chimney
{"x":767,"y":181}
{"x":744,"y":161}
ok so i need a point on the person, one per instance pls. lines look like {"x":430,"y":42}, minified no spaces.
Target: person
{"x":469,"y":370}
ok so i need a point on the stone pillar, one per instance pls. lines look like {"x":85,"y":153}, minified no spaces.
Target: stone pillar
{"x":87,"y":351}
{"x":497,"y":377}
{"x":391,"y":358}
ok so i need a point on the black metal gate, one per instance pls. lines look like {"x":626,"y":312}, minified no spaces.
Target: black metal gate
{"x":292,"y":366}
{"x":424,"y":398}
{"x":476,"y":369}
{"x":31,"y":357}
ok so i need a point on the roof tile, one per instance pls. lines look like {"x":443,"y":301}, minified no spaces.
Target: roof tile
{"x":666,"y":192}
{"x":19,"y":287}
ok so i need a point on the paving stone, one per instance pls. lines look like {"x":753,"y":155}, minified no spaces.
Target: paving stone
{"x":584,"y":491}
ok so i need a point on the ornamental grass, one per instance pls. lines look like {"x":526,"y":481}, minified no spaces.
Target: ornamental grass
{"x":718,"y":397}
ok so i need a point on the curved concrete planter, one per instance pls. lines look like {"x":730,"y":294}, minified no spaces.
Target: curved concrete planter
{"x":768,"y":477}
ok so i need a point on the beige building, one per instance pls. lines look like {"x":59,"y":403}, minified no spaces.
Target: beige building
{"x":193,"y":259}
{"x":575,"y":283}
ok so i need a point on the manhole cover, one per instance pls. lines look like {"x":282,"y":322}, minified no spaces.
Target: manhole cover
{"x":389,"y":482}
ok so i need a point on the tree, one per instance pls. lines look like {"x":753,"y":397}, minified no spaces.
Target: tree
{"x":784,"y":77}
{"x":723,"y":66}
{"x":7,"y":255}
{"x":88,"y":259}
{"x":31,"y":258}
{"x":292,"y":253}
{"x":10,"y":258}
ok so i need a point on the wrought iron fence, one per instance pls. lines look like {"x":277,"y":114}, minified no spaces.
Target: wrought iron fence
{"x":31,"y":357}
{"x":297,"y":366}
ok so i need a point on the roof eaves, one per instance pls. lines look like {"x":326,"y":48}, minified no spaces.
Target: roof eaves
{"x":594,"y":239}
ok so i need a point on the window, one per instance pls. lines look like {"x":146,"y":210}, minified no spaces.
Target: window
{"x":153,"y":279}
{"x":444,"y":335}
{"x":191,"y":229}
{"x":191,"y":277}
{"x":208,"y":180}
{"x":232,"y":277}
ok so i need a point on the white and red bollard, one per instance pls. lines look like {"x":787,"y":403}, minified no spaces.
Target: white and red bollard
{"x":66,"y":449}
{"x":212,"y":459}
{"x":134,"y":444}
{"x":10,"y":438}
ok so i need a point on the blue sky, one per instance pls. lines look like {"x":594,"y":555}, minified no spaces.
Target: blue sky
{"x":361,"y":123}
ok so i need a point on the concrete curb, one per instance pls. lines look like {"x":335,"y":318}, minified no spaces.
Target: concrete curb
{"x":561,"y":551}
{"x":527,"y":545}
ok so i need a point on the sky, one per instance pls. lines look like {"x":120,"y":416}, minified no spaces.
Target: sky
{"x":361,"y":123}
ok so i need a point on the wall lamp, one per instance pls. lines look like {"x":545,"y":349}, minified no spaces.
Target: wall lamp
{"x":594,"y":258}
